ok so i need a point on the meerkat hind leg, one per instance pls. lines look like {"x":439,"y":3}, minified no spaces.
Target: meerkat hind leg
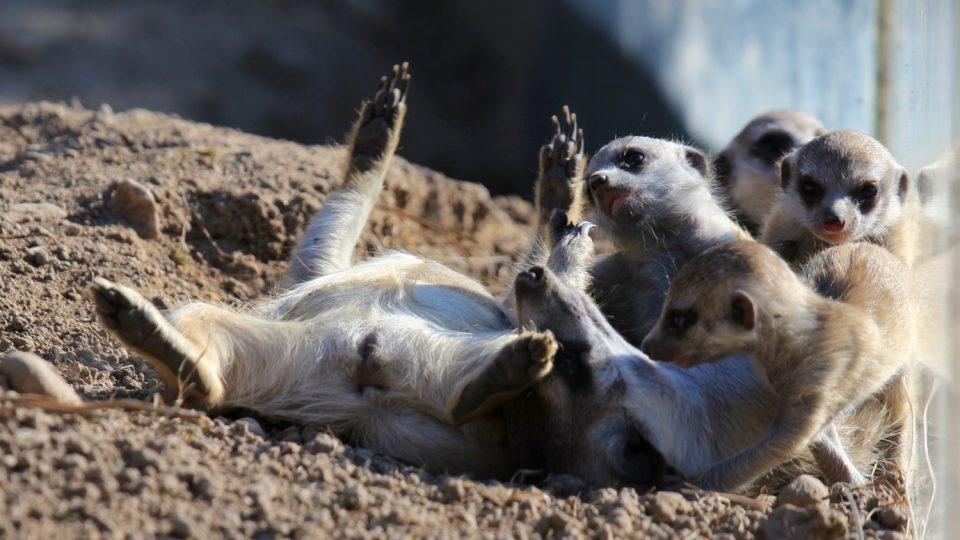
{"x":518,"y":365}
{"x":328,"y":243}
{"x":832,"y":458}
{"x":141,"y":326}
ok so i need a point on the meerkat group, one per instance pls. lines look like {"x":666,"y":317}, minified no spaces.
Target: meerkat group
{"x":790,"y":352}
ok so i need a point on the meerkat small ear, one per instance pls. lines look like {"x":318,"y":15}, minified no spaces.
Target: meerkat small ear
{"x":722,"y":168}
{"x":742,"y":310}
{"x":785,"y":170}
{"x":698,"y":160}
{"x":904,"y":184}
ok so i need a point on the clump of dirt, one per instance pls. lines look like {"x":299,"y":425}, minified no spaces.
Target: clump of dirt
{"x":223,"y":209}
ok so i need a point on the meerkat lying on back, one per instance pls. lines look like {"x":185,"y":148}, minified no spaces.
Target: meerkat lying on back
{"x":388,"y":354}
{"x":826,"y":342}
{"x":748,"y":168}
{"x":840,"y":187}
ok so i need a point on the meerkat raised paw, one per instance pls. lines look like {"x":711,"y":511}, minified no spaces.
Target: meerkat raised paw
{"x":377,"y":131}
{"x":139,"y":325}
{"x":559,"y":184}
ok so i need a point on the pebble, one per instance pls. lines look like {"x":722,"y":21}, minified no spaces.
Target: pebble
{"x":356,"y":498}
{"x":37,"y":256}
{"x":247,"y":425}
{"x":42,"y":211}
{"x":804,"y":490}
{"x":665,"y":506}
{"x":136,"y":204}
{"x":27,"y":373}
{"x":453,"y":490}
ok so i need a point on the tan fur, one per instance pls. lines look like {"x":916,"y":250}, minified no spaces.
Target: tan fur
{"x":826,"y":342}
{"x":748,"y":168}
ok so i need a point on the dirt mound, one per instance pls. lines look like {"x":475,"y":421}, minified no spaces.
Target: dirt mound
{"x":185,"y":211}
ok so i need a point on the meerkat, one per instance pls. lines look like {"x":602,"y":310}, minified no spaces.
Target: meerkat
{"x":748,"y":168}
{"x":840,"y":187}
{"x":826,"y":341}
{"x":654,"y":199}
{"x":610,"y":414}
{"x":390,"y":354}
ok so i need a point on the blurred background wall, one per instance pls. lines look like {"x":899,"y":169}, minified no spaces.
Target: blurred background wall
{"x":487,"y":74}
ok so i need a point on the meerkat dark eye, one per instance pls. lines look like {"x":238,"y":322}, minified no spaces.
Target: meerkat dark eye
{"x":678,"y":321}
{"x":867,"y":191}
{"x":632,"y":159}
{"x":809,"y":190}
{"x":773,"y":146}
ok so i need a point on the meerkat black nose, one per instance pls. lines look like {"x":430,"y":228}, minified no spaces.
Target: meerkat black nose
{"x":530,"y":280}
{"x":833,"y":222}
{"x":597,"y":181}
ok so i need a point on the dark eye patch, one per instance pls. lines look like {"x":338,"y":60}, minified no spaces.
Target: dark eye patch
{"x":679,"y":320}
{"x":572,"y":365}
{"x":866,"y":196}
{"x":773,"y":145}
{"x":810,"y":190}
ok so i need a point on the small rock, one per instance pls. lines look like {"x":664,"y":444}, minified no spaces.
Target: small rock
{"x":804,"y":490}
{"x":814,"y":521}
{"x":247,"y":425}
{"x":323,"y":443}
{"x":27,"y":373}
{"x":564,"y":485}
{"x":71,"y":229}
{"x":453,"y":490}
{"x":892,"y":517}
{"x":181,"y":528}
{"x":665,"y":506}
{"x":37,"y":256}
{"x":136,"y":204}
{"x":356,"y":498}
{"x":557,"y":523}
{"x":43,"y":212}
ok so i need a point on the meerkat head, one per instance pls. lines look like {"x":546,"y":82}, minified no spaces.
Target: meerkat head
{"x":644,"y":183}
{"x":843,"y":186}
{"x":720,"y":304}
{"x":584,"y":392}
{"x":747,"y":169}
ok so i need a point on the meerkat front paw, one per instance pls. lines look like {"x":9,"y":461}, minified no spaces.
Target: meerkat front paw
{"x":517,"y":366}
{"x":562,"y":159}
{"x":377,"y":131}
{"x":572,"y":253}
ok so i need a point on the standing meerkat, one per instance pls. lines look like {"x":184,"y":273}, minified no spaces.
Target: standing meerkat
{"x":748,"y":168}
{"x":389,"y":354}
{"x":840,"y":187}
{"x":826,"y":342}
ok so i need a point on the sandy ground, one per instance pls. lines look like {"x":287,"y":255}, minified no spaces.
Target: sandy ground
{"x":229,"y":207}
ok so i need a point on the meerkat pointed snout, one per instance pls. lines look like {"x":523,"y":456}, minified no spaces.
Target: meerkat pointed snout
{"x":840,"y":187}
{"x":748,"y":168}
{"x":634,"y":181}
